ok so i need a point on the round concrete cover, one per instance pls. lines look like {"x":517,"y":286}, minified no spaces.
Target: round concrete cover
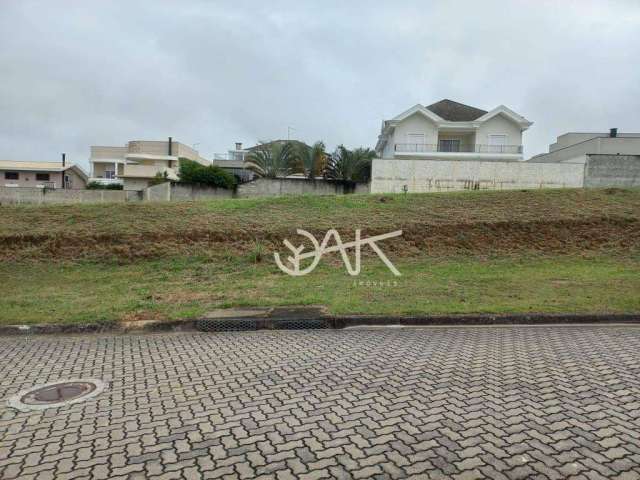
{"x":56,"y":394}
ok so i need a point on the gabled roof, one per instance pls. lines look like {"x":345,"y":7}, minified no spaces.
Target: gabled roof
{"x":507,"y":112}
{"x":416,"y":109}
{"x":79,"y":171}
{"x":455,"y":112}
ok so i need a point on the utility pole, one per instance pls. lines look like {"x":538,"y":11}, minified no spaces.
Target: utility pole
{"x":289,"y":130}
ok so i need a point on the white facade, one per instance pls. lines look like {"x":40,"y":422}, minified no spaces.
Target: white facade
{"x":459,"y":132}
{"x":415,"y":176}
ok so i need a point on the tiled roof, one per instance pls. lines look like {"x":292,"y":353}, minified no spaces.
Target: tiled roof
{"x":44,"y":166}
{"x":455,"y":112}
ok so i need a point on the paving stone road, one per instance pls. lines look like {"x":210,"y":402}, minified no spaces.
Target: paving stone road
{"x":461,"y":403}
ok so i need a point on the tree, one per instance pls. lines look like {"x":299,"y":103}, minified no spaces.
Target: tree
{"x":271,"y":160}
{"x":312,"y":158}
{"x":350,"y":165}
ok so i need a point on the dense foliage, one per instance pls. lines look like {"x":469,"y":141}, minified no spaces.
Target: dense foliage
{"x":212,"y":176}
{"x":274,"y":159}
{"x":312,"y":159}
{"x":350,"y":165}
{"x":283,"y":158}
{"x":102,"y":186}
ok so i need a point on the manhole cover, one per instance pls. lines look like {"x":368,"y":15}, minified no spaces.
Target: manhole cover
{"x":60,"y":392}
{"x":56,"y":394}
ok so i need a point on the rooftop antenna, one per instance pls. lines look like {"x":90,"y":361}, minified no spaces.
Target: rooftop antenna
{"x":289,"y":130}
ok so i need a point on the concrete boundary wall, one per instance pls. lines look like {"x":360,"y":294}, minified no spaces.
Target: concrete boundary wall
{"x":392,"y":175}
{"x":157,"y":193}
{"x":612,"y":171}
{"x":180,"y":191}
{"x":176,"y":192}
{"x":273,"y":187}
{"x":261,"y":187}
{"x":18,"y":195}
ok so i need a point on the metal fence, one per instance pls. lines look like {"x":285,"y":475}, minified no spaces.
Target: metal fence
{"x":456,"y":148}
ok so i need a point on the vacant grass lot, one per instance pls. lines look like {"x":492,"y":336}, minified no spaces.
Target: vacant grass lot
{"x":493,"y":252}
{"x":436,"y":224}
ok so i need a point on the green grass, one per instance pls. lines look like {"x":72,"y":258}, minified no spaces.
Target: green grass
{"x":553,"y":251}
{"x":189,"y":287}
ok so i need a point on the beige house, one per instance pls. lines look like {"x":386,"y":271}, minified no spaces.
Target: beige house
{"x":448,"y":130}
{"x":137,"y":163}
{"x":575,"y":147}
{"x":42,"y":175}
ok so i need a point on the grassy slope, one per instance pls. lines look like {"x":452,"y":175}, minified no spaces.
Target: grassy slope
{"x":184,"y":277}
{"x":284,"y":213}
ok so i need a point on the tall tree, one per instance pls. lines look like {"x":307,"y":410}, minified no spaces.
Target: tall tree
{"x":312,"y":158}
{"x":350,"y":165}
{"x":273,"y":159}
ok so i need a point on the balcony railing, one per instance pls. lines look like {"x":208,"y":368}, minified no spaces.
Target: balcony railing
{"x":233,"y":155}
{"x":449,"y":148}
{"x":105,"y":181}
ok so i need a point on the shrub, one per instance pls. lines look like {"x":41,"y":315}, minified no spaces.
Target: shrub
{"x":212,"y":176}
{"x":159,"y":178}
{"x":102,"y":186}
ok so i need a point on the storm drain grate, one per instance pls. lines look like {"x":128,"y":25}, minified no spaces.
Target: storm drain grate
{"x":56,"y":394}
{"x":301,"y":324}
{"x":244,"y":324}
{"x":227,"y":325}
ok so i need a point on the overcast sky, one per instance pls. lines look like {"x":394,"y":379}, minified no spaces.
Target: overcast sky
{"x":89,"y":72}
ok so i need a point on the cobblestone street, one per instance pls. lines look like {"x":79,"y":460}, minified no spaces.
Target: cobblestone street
{"x":462,"y":403}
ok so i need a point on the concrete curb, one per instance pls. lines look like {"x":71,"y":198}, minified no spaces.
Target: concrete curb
{"x":296,"y":318}
{"x":111,"y":327}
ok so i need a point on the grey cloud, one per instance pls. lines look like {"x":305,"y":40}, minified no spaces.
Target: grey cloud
{"x":77,"y":73}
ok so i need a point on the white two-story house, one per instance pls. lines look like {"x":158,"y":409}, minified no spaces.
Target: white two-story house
{"x":448,"y":130}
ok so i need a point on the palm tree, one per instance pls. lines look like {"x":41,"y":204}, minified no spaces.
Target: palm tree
{"x":271,"y":160}
{"x":350,"y":165}
{"x":312,"y":158}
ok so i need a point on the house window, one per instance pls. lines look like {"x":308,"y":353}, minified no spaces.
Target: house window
{"x":449,"y":146}
{"x":109,"y":174}
{"x":416,"y":138}
{"x":42,"y":177}
{"x":11,"y":175}
{"x":497,"y":143}
{"x":415,"y":142}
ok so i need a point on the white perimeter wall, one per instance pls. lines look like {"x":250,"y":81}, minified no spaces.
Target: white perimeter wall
{"x":390,"y":175}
